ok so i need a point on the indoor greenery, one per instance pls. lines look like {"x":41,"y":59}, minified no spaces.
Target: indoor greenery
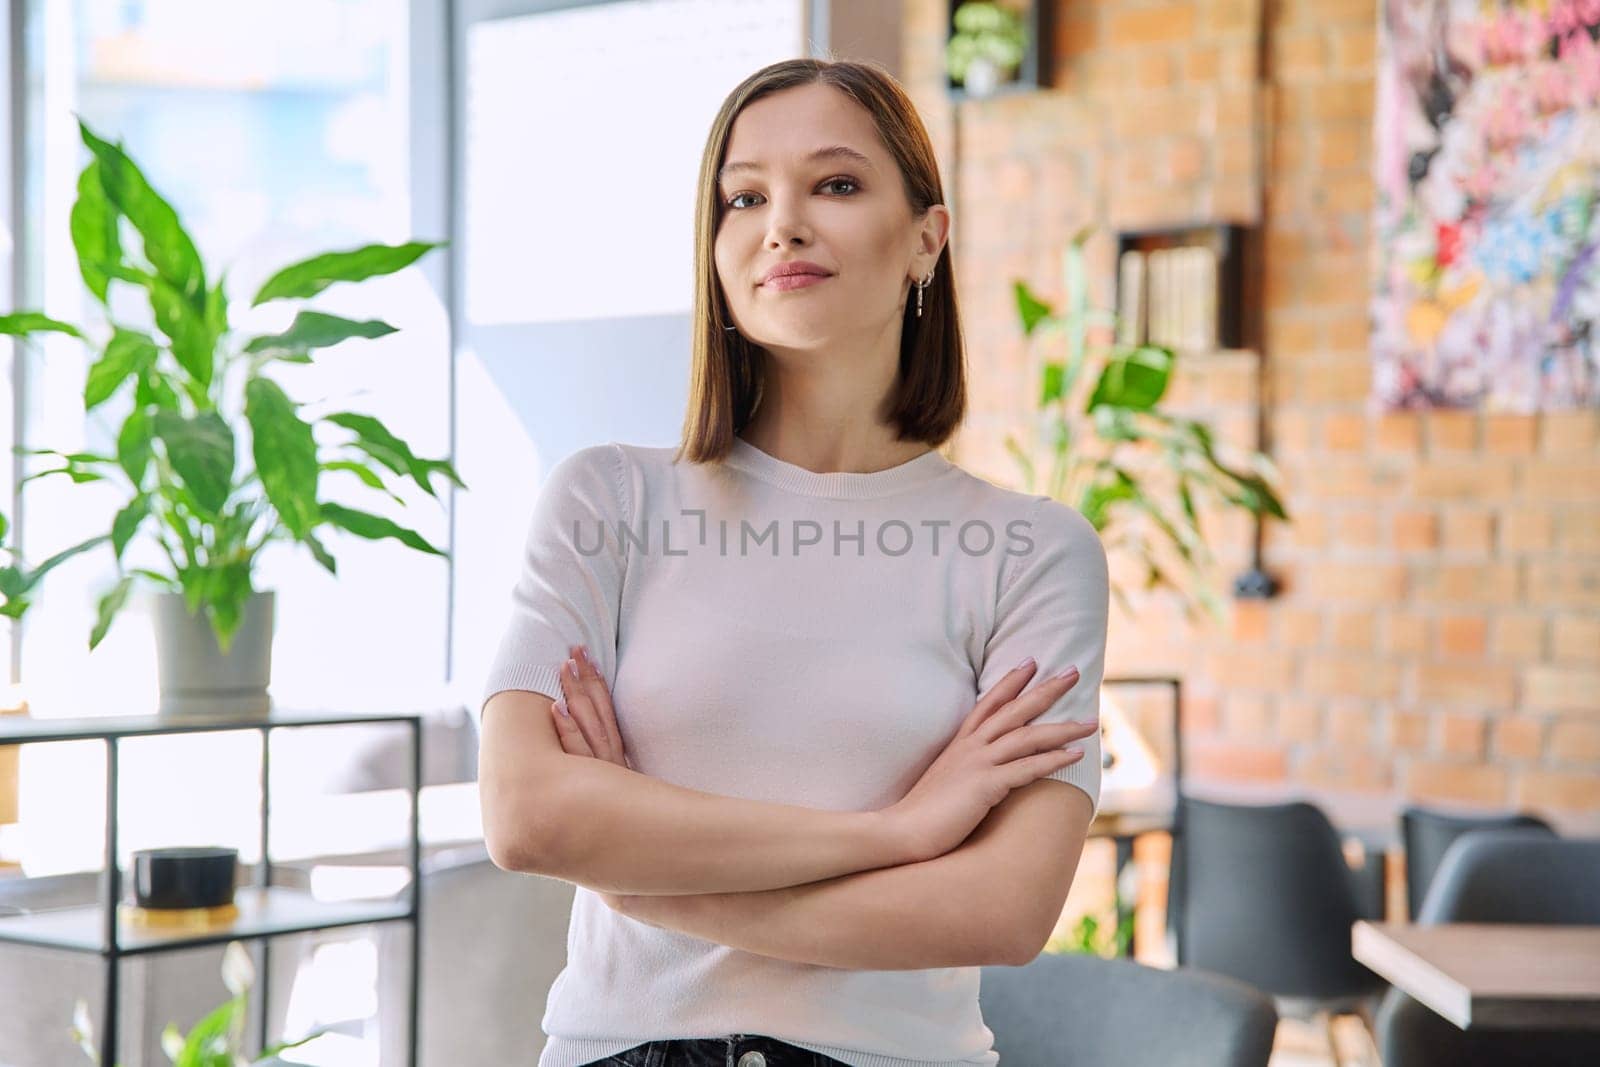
{"x":985,"y":32}
{"x":215,"y":1039}
{"x":1093,"y":937}
{"x":1099,"y":414}
{"x":196,"y":391}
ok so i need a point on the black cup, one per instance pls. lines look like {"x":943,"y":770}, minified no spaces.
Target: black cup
{"x":184,"y":877}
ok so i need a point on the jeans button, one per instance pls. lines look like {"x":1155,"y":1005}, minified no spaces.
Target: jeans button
{"x":752,"y":1059}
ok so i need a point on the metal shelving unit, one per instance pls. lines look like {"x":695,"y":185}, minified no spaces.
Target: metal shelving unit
{"x":265,"y":911}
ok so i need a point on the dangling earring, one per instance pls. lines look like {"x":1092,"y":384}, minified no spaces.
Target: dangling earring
{"x":923,"y":284}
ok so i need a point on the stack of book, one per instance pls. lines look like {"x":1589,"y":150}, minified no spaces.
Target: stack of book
{"x":1168,"y":296}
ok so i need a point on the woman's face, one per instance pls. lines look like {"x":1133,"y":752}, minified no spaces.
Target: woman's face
{"x":847,"y":215}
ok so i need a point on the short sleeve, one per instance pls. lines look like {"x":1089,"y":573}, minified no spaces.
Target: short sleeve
{"x":1054,"y":605}
{"x":568,"y":590}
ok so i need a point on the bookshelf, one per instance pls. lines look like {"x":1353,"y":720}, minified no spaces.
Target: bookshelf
{"x":1185,"y":287}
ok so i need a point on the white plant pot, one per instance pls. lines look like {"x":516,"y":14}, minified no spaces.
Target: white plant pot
{"x":982,"y":77}
{"x":196,"y":679}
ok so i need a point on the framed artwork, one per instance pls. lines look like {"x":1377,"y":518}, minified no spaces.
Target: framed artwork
{"x":1487,"y":162}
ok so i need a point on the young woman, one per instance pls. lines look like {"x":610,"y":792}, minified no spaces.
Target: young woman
{"x":738,"y":702}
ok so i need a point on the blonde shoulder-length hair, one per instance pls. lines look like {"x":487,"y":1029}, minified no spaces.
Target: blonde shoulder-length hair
{"x":929,"y":398}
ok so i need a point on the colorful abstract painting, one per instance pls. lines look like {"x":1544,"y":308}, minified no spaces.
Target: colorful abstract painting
{"x":1487,"y":160}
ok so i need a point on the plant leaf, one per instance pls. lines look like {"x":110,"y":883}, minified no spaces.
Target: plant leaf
{"x":95,"y":238}
{"x":201,"y":451}
{"x":187,"y":327}
{"x":128,"y":353}
{"x":32,"y":578}
{"x":368,"y":476}
{"x":107,"y":610}
{"x":373,"y":438}
{"x":285,"y":452}
{"x":126,"y":524}
{"x":1133,"y":378}
{"x":309,"y":277}
{"x":273,"y":1050}
{"x":166,"y":245}
{"x":133,"y":445}
{"x":23,"y":323}
{"x":374,"y":527}
{"x":323,"y":556}
{"x":313,"y":329}
{"x":1029,"y":306}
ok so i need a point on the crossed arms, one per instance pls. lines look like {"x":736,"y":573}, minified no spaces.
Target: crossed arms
{"x":820,"y":887}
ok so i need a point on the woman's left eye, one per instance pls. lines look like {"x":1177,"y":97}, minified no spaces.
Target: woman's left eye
{"x":846,"y":181}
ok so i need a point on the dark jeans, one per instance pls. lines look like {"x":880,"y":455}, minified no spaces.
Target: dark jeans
{"x":735,"y":1050}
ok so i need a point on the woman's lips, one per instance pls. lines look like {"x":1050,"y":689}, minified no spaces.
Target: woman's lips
{"x":795,"y":281}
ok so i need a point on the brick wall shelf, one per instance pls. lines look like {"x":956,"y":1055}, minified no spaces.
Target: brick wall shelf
{"x":1233,"y":245}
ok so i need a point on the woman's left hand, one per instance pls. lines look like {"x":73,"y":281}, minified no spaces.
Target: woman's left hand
{"x":591,"y":727}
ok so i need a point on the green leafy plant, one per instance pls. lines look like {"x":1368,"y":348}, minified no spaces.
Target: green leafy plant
{"x":1099,"y":414}
{"x":215,"y":1039}
{"x":191,"y":379}
{"x":18,"y":582}
{"x":987,"y":32}
{"x":1092,"y":937}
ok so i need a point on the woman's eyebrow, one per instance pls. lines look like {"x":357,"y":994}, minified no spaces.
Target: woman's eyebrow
{"x":837,"y":151}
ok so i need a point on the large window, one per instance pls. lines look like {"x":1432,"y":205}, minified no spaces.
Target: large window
{"x":277,"y":129}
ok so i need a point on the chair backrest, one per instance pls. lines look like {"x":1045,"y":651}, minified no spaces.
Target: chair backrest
{"x":1084,"y":1009}
{"x":1428,"y":834}
{"x":1268,"y":898}
{"x":1524,"y":875}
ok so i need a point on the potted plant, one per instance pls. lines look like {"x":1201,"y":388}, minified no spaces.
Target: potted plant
{"x":1099,"y":413}
{"x":215,"y":1040}
{"x":987,"y":47}
{"x":201,"y":398}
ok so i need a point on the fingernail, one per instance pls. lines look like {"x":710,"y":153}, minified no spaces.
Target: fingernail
{"x":561,"y":707}
{"x":583,"y":654}
{"x":1024,"y":664}
{"x":572,"y":669}
{"x":1070,"y":672}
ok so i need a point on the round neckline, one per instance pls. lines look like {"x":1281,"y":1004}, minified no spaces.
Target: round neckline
{"x":847,"y":485}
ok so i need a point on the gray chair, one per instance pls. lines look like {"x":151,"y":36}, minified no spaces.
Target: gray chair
{"x":1428,"y":833}
{"x":1076,"y":1009}
{"x":1498,"y":876}
{"x":1268,"y":898}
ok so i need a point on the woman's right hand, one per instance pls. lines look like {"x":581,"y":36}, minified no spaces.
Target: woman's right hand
{"x":994,"y":752}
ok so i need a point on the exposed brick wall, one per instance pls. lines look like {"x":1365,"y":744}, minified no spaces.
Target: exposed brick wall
{"x":1438,"y":634}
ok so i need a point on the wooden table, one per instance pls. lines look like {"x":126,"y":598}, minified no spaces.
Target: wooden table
{"x":1491,"y":975}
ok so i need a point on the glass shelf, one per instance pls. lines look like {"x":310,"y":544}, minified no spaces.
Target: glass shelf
{"x":17,"y":730}
{"x":263,"y":912}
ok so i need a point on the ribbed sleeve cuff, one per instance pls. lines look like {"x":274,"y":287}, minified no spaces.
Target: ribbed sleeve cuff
{"x":1085,"y":778}
{"x":534,"y":678}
